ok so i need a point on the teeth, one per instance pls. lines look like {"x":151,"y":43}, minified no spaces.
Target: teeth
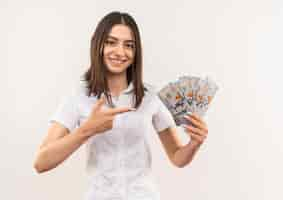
{"x":117,"y":61}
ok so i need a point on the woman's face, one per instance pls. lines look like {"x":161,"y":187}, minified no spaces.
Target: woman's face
{"x":119,"y":49}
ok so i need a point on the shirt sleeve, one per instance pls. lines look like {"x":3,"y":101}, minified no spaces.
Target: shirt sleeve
{"x":66,"y":113}
{"x":162,"y":118}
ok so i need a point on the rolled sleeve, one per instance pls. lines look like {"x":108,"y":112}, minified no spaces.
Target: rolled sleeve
{"x":162,"y":118}
{"x":66,"y":113}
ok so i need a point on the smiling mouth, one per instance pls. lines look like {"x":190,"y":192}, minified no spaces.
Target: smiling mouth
{"x":117,"y":61}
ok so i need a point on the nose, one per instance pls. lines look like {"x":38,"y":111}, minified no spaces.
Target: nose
{"x":120,"y":50}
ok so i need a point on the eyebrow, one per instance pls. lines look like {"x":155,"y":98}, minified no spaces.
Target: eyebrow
{"x":112,"y":37}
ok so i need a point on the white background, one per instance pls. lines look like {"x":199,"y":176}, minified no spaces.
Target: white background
{"x":44,"y":49}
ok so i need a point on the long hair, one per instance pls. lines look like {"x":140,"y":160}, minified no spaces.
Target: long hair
{"x":95,"y":76}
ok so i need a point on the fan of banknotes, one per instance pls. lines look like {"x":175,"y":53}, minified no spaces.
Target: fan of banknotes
{"x":188,"y":94}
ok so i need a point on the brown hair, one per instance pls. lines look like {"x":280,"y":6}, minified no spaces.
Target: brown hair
{"x":95,"y":76}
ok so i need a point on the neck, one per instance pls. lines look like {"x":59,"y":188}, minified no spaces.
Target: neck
{"x":117,"y":83}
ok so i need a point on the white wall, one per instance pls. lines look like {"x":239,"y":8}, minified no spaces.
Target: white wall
{"x":44,"y":47}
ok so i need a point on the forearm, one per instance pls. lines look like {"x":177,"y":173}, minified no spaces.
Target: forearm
{"x":56,"y":152}
{"x":185,"y":154}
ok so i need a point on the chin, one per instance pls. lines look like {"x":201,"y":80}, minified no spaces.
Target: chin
{"x":116,"y":69}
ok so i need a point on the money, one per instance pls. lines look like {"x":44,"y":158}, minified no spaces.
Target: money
{"x":173,"y":99}
{"x":188,"y":94}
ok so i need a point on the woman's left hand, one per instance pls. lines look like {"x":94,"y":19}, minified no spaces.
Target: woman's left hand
{"x":198,"y":131}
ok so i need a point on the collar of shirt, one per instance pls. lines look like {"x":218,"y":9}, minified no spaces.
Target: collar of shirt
{"x":128,"y":90}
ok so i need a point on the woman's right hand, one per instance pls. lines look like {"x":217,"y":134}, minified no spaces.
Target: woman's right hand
{"x":101,"y":120}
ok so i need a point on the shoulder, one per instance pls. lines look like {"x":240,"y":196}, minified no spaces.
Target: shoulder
{"x":152,"y":93}
{"x":81,"y":90}
{"x":79,"y":94}
{"x":150,"y":88}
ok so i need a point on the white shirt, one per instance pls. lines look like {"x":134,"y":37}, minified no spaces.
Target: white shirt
{"x":118,"y":161}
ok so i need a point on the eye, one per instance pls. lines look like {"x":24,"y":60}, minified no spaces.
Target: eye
{"x":131,"y":46}
{"x":109,"y":42}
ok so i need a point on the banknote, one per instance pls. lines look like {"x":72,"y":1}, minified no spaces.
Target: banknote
{"x":189,"y":86}
{"x":188,"y":94}
{"x":205,"y":94}
{"x":176,"y":103}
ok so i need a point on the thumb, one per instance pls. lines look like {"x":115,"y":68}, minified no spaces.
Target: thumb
{"x":100,"y":102}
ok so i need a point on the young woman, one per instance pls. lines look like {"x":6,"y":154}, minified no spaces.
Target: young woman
{"x":113,"y":113}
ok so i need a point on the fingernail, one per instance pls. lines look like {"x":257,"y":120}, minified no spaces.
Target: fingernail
{"x":186,"y":117}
